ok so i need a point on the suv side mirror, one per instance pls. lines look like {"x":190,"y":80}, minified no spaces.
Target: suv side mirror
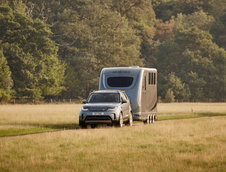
{"x":84,"y":101}
{"x":124,"y":101}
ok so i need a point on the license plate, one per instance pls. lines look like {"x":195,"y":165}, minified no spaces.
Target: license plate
{"x":97,"y":113}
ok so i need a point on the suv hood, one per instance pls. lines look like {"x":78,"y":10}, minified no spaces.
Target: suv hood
{"x":101,"y":105}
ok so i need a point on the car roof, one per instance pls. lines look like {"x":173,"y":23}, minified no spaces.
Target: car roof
{"x":107,"y":91}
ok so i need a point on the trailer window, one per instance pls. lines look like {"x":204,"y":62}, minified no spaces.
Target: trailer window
{"x":120,"y":81}
{"x":145,"y":83}
{"x":149,"y":78}
{"x":154,"y":78}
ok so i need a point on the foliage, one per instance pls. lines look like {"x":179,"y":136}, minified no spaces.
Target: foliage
{"x":169,"y":97}
{"x":31,"y":55}
{"x":90,"y":37}
{"x":6,"y":82}
{"x":57,"y":48}
{"x":194,"y":57}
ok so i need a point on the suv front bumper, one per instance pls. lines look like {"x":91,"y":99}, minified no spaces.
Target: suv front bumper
{"x":98,"y":118}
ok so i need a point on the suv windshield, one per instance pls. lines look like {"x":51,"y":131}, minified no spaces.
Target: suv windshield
{"x":104,"y":97}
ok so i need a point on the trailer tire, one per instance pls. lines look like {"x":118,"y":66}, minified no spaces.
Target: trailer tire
{"x":152,"y":119}
{"x":147,"y":121}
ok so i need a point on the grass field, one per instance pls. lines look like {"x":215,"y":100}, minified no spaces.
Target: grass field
{"x":170,"y":145}
{"x":28,"y":119}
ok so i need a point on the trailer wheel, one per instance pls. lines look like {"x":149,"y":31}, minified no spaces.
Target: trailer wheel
{"x":147,"y":121}
{"x":152,"y":119}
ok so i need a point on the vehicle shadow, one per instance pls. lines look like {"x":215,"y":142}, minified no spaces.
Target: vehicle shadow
{"x":68,"y":126}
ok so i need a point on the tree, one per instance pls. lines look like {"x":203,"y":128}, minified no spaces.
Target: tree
{"x":179,"y":89}
{"x":6,"y":82}
{"x":141,"y":17}
{"x":31,"y":55}
{"x":167,"y":9}
{"x":196,"y":86}
{"x":191,"y":50}
{"x":90,"y":36}
{"x":106,"y":40}
{"x":169,"y":97}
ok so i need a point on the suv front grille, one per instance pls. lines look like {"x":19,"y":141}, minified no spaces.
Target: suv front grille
{"x":98,"y":119}
{"x":97,"y":109}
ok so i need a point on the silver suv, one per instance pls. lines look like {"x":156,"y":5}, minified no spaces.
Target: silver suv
{"x":111,"y":107}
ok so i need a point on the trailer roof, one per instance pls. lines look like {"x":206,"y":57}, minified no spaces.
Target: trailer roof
{"x":130,"y":68}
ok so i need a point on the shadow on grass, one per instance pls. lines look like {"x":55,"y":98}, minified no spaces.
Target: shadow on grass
{"x":68,"y":126}
{"x":65,"y":126}
{"x":34,"y":128}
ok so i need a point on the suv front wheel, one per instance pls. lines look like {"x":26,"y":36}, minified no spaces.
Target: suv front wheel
{"x":82,"y":124}
{"x":130,"y":119}
{"x":120,"y":122}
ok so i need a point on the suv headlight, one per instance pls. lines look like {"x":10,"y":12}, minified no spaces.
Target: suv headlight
{"x":85,"y":108}
{"x":111,"y":108}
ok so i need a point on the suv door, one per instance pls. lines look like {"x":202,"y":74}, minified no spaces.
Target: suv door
{"x":125,"y":106}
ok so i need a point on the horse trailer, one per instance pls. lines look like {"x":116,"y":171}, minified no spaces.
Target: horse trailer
{"x":140,"y":84}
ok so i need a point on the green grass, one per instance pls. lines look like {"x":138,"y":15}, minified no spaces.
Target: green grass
{"x":17,"y":130}
{"x":24,"y":131}
{"x":189,"y":116}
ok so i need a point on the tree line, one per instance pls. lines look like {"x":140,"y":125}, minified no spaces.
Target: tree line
{"x":57,"y":48}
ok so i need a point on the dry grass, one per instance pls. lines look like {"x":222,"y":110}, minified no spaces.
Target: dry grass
{"x":185,"y":145}
{"x":24,"y":119}
{"x":68,"y":113}
{"x":28,"y":114}
{"x":190,"y":108}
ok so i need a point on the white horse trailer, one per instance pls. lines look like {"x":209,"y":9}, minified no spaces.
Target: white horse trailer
{"x":140,"y":84}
